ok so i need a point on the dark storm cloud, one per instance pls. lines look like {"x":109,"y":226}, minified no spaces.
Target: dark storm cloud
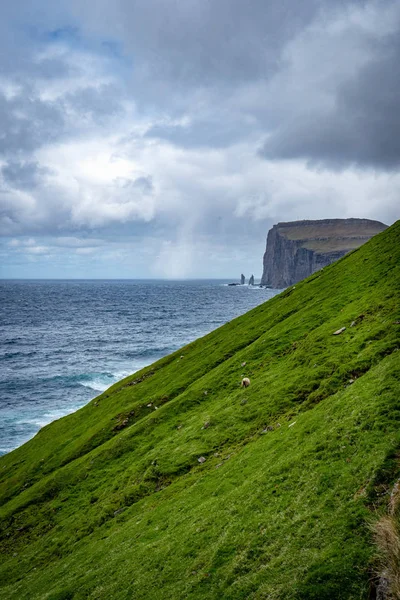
{"x":206,"y":133}
{"x":26,"y":122}
{"x":194,"y":56}
{"x":143,"y":184}
{"x":23,"y":175}
{"x":360,"y":127}
{"x":97,"y":103}
{"x":180,"y":46}
{"x":37,"y":54}
{"x":197,"y":53}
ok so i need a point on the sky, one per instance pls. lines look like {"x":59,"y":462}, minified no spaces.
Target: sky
{"x":164,"y":138}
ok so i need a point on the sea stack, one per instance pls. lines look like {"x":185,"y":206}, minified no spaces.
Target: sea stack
{"x":242,"y":279}
{"x":251,"y":280}
{"x":297,"y":249}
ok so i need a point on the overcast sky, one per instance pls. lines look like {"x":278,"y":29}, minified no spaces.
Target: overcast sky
{"x":163,"y":138}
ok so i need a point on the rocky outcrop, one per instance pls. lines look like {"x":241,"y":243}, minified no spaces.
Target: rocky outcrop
{"x":297,"y":249}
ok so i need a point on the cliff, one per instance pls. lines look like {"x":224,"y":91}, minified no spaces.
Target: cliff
{"x":178,"y":483}
{"x":297,"y":249}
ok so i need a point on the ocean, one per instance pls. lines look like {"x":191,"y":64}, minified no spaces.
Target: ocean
{"x":64,"y":342}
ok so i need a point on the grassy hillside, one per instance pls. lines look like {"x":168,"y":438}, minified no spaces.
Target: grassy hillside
{"x":334,"y":244}
{"x":330,"y":228}
{"x":335,"y":235}
{"x":112,"y":501}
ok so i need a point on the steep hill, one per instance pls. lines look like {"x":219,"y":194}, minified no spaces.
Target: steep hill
{"x":297,"y":249}
{"x":113,"y":502}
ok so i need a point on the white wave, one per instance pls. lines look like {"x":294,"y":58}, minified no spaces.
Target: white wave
{"x":122,"y":374}
{"x":101,"y":383}
{"x":96,"y":385}
{"x":48,"y":417}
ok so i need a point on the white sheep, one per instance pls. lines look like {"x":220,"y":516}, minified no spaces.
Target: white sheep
{"x":245,"y":382}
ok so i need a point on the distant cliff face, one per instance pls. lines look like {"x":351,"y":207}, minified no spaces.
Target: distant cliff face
{"x":297,"y":249}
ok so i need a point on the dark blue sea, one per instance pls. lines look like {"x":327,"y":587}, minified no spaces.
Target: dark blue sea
{"x":64,"y":342}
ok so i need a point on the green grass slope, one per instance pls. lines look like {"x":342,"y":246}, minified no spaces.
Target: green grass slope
{"x":112,"y":502}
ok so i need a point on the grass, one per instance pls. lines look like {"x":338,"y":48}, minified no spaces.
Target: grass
{"x":335,"y":236}
{"x":347,"y":228}
{"x":386,"y":532}
{"x":333,"y":244}
{"x":111,"y":502}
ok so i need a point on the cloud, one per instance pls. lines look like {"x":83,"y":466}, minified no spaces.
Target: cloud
{"x":78,"y":243}
{"x":168,"y":137}
{"x":120,"y":200}
{"x":198,"y":42}
{"x":208,"y":131}
{"x":344,"y":112}
{"x":174,"y":260}
{"x":37,"y":249}
{"x":23,"y":175}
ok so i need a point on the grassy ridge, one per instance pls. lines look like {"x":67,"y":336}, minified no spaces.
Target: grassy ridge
{"x":111,"y":502}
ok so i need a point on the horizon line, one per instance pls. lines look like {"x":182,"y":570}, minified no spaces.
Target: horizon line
{"x":233,"y":279}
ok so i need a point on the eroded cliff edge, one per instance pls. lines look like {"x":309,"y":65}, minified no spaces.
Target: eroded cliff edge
{"x":297,"y":249}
